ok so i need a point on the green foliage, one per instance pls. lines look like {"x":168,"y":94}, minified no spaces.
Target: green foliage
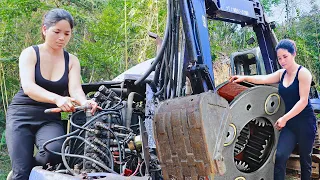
{"x":113,"y":41}
{"x":99,"y":40}
{"x":305,"y":31}
{"x":228,"y":37}
{"x":13,"y":15}
{"x":13,"y":9}
{"x":5,"y":166}
{"x":267,"y":4}
{"x":2,"y":140}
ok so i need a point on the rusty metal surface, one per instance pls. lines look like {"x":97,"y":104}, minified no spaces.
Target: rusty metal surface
{"x":190,"y":133}
{"x":230,"y":90}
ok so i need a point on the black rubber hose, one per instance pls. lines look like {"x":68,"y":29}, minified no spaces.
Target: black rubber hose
{"x":173,"y":44}
{"x":83,"y":128}
{"x":188,"y":30}
{"x":159,"y":92}
{"x":172,"y":60}
{"x":169,"y":65}
{"x":157,"y":72}
{"x":176,"y":50}
{"x":71,"y":134}
{"x":63,"y":155}
{"x":162,"y":71}
{"x":165,"y":83}
{"x":167,"y":73}
{"x":67,"y":135}
{"x":161,"y":52}
{"x":74,"y":132}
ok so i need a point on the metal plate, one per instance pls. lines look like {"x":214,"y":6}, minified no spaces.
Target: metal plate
{"x":190,"y":133}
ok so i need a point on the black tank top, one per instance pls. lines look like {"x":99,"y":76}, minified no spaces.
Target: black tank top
{"x":58,"y":87}
{"x":291,"y":96}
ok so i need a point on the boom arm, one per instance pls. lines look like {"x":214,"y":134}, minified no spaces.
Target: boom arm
{"x":197,"y":55}
{"x":244,"y":12}
{"x":248,"y":13}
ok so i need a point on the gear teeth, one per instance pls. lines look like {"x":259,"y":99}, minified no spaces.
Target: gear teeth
{"x":265,"y":144}
{"x":260,"y":122}
{"x":242,"y":140}
{"x":241,"y":165}
{"x":257,"y":147}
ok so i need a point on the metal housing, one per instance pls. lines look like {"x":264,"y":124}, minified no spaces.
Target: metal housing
{"x":256,"y":108}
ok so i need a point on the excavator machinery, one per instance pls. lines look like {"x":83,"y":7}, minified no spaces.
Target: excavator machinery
{"x":166,"y":119}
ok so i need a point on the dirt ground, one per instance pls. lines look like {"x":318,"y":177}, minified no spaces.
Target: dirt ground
{"x":292,"y":176}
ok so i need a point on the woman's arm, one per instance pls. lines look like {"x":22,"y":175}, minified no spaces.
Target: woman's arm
{"x":305,"y":79}
{"x":27,"y":62}
{"x":259,"y":79}
{"x":75,"y":88}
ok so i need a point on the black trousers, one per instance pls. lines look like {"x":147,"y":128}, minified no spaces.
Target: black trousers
{"x":302,"y":134}
{"x":28,"y":126}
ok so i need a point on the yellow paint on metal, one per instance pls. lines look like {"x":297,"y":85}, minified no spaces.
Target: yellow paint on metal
{"x":267,"y":100}
{"x":234,"y":135}
{"x":240,"y":178}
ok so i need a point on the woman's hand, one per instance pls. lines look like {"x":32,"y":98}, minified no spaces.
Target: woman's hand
{"x":237,"y":79}
{"x":65,"y":103}
{"x":94,"y":106}
{"x":281,"y":122}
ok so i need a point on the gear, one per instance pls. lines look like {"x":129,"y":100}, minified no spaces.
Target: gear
{"x":242,"y":166}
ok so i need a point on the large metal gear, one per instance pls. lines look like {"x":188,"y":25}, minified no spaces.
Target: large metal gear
{"x":254,"y":110}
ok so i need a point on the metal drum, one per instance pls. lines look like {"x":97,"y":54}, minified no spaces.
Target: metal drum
{"x":251,"y":140}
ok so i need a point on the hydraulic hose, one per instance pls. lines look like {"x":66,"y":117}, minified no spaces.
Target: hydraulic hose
{"x":161,"y":52}
{"x":63,"y":155}
{"x":76,"y":131}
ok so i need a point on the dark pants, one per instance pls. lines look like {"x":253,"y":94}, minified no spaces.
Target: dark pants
{"x":288,"y":139}
{"x":24,"y":129}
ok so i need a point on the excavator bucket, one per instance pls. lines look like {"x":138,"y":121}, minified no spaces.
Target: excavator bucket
{"x":190,"y":133}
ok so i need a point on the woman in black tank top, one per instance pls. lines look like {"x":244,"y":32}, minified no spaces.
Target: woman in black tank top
{"x":298,"y":124}
{"x":47,"y":74}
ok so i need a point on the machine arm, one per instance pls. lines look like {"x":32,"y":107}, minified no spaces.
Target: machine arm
{"x":248,"y":13}
{"x":197,"y":60}
{"x":244,"y":12}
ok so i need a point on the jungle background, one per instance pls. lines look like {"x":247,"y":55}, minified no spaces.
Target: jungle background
{"x":110,"y":36}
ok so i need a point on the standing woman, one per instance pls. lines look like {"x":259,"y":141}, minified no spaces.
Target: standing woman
{"x":298,"y":124}
{"x":47,"y":72}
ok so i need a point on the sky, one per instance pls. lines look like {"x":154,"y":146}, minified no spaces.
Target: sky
{"x":279,"y":12}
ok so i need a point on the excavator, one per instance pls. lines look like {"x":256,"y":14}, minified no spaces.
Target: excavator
{"x":166,"y":119}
